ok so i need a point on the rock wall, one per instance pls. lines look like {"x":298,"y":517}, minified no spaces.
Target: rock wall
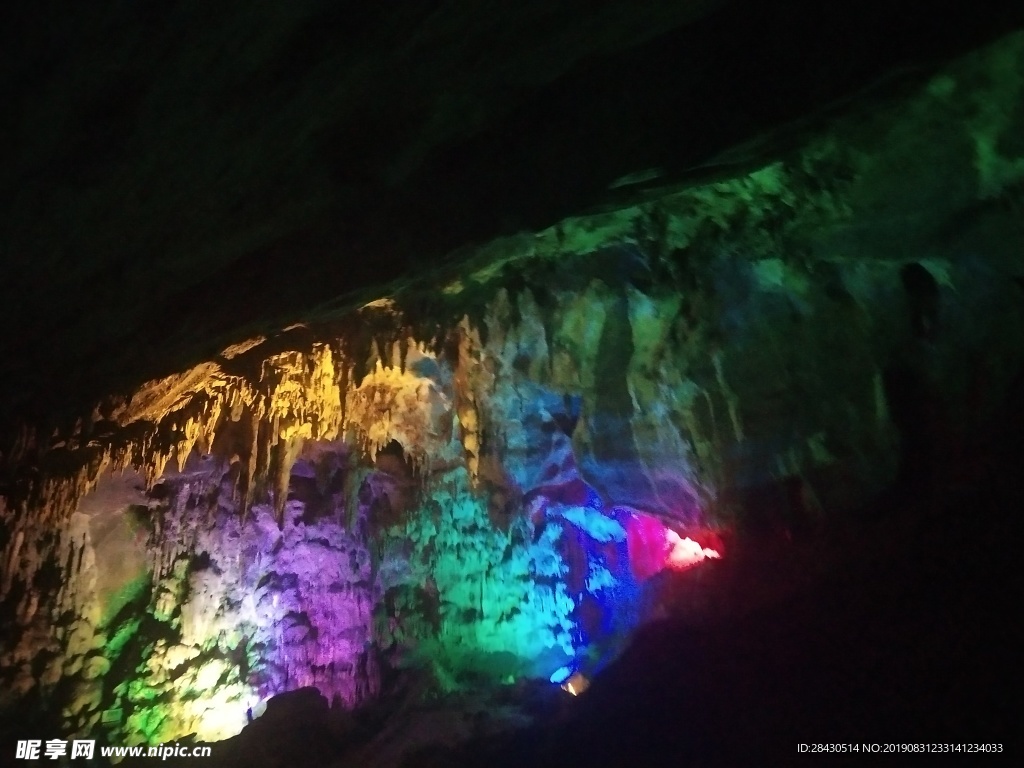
{"x":478,"y":474}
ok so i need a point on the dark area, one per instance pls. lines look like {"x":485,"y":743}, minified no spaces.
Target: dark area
{"x":144,"y":219}
{"x":912,"y":404}
{"x":922,"y":300}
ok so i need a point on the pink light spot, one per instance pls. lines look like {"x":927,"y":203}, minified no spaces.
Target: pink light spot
{"x":647,"y":546}
{"x":685,"y":553}
{"x":653,"y":546}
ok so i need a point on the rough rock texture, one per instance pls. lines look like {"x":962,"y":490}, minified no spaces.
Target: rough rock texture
{"x":447,"y":477}
{"x":179,"y":177}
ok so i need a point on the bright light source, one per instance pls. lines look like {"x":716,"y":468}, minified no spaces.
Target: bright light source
{"x":684,"y":553}
{"x":576,"y":684}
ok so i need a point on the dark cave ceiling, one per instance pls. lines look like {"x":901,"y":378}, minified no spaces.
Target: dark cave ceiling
{"x":178,"y":174}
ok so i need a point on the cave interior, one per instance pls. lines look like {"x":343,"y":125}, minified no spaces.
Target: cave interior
{"x":510,"y":384}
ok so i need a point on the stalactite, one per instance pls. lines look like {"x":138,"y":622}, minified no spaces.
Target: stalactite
{"x":470,"y":379}
{"x":410,"y":391}
{"x":286,"y":451}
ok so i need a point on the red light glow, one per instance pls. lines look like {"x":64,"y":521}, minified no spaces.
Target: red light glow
{"x":653,"y":546}
{"x":685,"y":553}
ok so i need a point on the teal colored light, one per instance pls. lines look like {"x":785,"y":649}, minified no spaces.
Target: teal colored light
{"x":501,"y":603}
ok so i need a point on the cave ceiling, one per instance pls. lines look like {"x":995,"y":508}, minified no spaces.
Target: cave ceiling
{"x":179,"y":176}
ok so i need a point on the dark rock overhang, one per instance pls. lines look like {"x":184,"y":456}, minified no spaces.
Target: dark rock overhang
{"x":178,"y":178}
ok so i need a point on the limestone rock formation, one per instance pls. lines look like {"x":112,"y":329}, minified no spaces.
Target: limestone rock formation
{"x":464,"y":475}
